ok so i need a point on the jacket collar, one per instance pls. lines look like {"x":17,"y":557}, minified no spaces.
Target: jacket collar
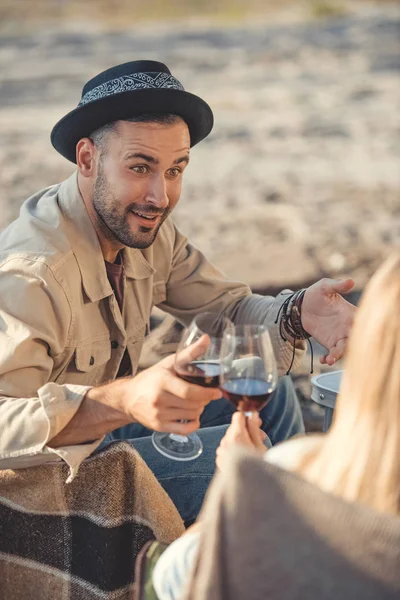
{"x":86,"y":246}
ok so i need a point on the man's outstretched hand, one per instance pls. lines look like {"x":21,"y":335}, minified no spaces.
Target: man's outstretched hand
{"x":328,"y":317}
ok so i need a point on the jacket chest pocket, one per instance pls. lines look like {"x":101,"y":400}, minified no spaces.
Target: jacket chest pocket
{"x":92,"y":356}
{"x":86,"y":364}
{"x":91,"y":362}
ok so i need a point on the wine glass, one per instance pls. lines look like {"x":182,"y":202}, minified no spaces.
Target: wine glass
{"x":197,"y":361}
{"x":248,"y":373}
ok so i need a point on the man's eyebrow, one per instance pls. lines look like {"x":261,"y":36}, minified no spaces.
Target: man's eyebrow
{"x":182,"y":159}
{"x":146,"y":157}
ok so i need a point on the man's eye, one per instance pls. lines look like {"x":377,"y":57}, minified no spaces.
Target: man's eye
{"x":174,"y":172}
{"x":141,"y":169}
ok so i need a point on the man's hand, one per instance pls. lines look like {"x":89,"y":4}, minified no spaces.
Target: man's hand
{"x":243,"y":431}
{"x":159,"y":399}
{"x":327,"y":316}
{"x":156,"y":398}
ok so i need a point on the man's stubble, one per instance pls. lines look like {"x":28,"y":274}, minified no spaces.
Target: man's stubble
{"x":113,"y":219}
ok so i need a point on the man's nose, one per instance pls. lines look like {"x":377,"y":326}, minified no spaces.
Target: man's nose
{"x":157,"y":192}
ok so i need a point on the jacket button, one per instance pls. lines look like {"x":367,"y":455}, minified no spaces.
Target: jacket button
{"x":114,"y":344}
{"x":91,"y":361}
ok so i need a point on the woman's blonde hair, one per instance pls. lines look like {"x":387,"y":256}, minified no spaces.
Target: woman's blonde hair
{"x":359,"y":458}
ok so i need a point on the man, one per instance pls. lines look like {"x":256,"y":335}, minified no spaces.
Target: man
{"x":84,"y":264}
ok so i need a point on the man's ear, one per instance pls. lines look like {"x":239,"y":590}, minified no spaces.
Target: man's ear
{"x":85,"y":157}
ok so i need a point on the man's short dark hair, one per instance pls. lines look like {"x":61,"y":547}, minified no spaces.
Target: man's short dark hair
{"x":100,"y":135}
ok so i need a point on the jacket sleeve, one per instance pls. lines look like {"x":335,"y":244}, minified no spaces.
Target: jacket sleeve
{"x":195,"y":285}
{"x":35,"y":318}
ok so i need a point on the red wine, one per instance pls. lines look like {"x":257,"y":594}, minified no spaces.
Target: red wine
{"x":248,"y":395}
{"x":202,"y":373}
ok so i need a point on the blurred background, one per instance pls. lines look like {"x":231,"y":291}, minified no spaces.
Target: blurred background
{"x":300,"y":177}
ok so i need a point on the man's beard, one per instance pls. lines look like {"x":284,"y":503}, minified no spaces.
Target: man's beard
{"x":113,"y":219}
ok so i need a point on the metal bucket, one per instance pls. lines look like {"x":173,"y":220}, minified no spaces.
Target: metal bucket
{"x":325,"y":388}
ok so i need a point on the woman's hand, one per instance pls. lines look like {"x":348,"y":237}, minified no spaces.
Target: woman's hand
{"x":243,"y":431}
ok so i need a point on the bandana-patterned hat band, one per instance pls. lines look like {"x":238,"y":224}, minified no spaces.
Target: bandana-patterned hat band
{"x":136,"y":81}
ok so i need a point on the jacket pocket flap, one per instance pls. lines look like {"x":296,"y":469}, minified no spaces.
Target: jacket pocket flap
{"x":159,"y":292}
{"x":91,"y":356}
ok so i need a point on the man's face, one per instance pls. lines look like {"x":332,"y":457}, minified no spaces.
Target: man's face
{"x":139,"y":179}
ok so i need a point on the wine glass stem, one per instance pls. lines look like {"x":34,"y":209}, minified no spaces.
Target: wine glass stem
{"x":179,"y":438}
{"x":182,"y":439}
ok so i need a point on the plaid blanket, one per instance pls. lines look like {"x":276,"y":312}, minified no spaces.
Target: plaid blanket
{"x":80,"y":540}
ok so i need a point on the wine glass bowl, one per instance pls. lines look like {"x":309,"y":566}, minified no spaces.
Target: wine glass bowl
{"x":198,"y":355}
{"x":197,"y":361}
{"x":248,"y":372}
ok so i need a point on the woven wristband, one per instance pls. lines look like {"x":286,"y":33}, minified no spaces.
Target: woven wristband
{"x":292,"y":317}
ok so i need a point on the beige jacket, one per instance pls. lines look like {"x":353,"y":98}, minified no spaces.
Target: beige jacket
{"x":61,"y":330}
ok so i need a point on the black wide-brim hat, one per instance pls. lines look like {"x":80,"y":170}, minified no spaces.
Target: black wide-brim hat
{"x":129,"y":90}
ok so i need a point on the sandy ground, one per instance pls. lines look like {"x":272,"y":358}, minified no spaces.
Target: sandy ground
{"x":300,"y":177}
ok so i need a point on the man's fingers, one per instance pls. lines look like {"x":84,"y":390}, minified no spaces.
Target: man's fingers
{"x":188,"y":354}
{"x":336,"y":353}
{"x":330,"y":360}
{"x":167,"y":362}
{"x":180,"y":414}
{"x":180,"y":428}
{"x":170,"y":402}
{"x":194,"y":351}
{"x":341,"y":286}
{"x":189,"y":392}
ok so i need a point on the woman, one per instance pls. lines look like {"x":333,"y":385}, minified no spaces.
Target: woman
{"x":358,"y":459}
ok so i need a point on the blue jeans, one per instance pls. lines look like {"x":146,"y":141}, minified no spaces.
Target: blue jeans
{"x":186,"y":482}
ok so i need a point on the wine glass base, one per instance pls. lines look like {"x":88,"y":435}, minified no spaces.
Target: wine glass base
{"x":178,"y":447}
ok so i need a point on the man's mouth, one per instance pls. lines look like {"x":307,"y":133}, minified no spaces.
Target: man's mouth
{"x":151,"y":219}
{"x":143,"y":216}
